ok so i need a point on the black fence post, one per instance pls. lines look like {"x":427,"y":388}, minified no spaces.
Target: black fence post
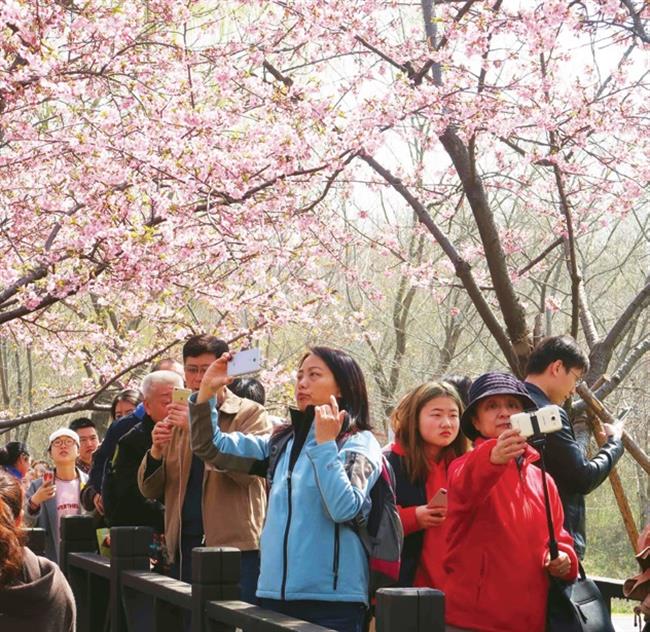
{"x":129,"y":552}
{"x":77,"y":536}
{"x":35,"y":540}
{"x":410,"y":610}
{"x":215,"y":577}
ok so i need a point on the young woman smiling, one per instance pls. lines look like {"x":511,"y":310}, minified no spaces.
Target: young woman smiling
{"x":427,"y":438}
{"x":313,"y":565}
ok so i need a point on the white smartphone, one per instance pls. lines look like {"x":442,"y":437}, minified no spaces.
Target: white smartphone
{"x":181,"y":395}
{"x":439,"y":499}
{"x":244,"y":362}
{"x":548,"y":419}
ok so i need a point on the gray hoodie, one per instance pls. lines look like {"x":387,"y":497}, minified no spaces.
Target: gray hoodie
{"x":41,"y":598}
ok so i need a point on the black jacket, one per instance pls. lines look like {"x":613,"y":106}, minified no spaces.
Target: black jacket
{"x":574,"y":474}
{"x":124,"y":503}
{"x":408,"y":494}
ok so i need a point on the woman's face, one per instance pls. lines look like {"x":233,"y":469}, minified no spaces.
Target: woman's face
{"x":315,"y":383}
{"x":23,"y":463}
{"x":438,"y":422}
{"x":123,"y":408}
{"x":492,"y":416}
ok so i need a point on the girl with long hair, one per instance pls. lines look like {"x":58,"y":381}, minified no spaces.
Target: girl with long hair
{"x":33,"y":591}
{"x":427,"y":438}
{"x":313,"y":565}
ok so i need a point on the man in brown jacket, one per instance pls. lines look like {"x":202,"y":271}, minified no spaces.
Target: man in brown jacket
{"x":204,"y":505}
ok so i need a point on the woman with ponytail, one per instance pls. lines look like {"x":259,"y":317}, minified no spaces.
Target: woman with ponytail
{"x":33,"y":590}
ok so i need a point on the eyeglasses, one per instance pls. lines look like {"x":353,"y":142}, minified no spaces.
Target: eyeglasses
{"x":192,"y":369}
{"x":578,"y":377}
{"x":63,"y":443}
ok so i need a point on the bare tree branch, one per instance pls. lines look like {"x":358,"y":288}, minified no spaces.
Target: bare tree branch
{"x":624,"y":369}
{"x":463,"y":269}
{"x":602,"y":352}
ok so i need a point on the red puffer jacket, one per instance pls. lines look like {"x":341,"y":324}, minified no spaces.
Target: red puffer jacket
{"x":497,"y":540}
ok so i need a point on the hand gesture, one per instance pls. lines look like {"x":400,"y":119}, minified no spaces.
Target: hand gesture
{"x":560,"y":566}
{"x":178,"y":415}
{"x":510,"y":445}
{"x":215,"y":378}
{"x":613,"y":431}
{"x":427,"y":516}
{"x":43,"y":493}
{"x":98,"y":501}
{"x":160,"y":436}
{"x":328,"y":421}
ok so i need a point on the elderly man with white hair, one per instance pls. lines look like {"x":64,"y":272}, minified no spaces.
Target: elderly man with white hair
{"x":123,"y":502}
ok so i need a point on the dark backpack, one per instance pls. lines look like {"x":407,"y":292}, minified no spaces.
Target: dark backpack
{"x":380,"y":533}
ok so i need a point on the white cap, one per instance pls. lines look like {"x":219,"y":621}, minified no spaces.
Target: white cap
{"x":64,"y":432}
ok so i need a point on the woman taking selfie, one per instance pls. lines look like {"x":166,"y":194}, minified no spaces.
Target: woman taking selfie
{"x":313,"y":565}
{"x":426,"y":423}
{"x":33,"y":591}
{"x":498,"y":564}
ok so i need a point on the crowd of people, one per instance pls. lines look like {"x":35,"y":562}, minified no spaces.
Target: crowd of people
{"x":214,"y":469}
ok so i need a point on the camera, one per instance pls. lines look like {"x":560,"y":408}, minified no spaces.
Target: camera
{"x":540,"y":421}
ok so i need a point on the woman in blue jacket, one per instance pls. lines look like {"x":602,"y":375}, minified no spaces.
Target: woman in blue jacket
{"x":313,"y":565}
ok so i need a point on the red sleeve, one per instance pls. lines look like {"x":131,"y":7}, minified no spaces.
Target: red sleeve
{"x":473,"y":476}
{"x":409,"y":521}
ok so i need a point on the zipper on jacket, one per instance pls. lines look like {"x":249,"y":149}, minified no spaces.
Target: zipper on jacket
{"x":335,"y":564}
{"x":285,"y":554}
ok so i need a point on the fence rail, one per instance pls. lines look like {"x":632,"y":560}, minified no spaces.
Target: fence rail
{"x":123,"y":595}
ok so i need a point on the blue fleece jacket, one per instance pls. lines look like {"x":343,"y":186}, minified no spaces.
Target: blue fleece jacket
{"x":307,"y":550}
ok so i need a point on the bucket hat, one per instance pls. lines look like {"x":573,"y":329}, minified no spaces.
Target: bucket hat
{"x":486,"y":385}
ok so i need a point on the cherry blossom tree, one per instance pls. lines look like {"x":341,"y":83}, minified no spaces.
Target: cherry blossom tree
{"x":164,"y":159}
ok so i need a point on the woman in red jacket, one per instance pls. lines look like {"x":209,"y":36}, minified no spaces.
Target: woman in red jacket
{"x":427,"y":438}
{"x":497,"y":564}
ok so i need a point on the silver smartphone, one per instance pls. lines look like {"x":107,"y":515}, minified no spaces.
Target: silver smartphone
{"x":245,"y":362}
{"x":548,"y":419}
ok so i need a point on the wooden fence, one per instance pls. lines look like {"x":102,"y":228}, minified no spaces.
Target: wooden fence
{"x":121,"y":594}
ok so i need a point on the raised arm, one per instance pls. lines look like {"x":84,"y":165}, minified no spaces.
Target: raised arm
{"x":226,"y":451}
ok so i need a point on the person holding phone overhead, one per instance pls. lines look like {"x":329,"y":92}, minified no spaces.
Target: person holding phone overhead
{"x":314,"y":566}
{"x":204,"y":506}
{"x":426,"y":423}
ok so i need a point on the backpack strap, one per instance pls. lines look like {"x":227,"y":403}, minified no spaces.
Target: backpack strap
{"x":277,"y":445}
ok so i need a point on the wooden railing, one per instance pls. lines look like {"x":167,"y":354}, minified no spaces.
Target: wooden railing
{"x":121,"y":594}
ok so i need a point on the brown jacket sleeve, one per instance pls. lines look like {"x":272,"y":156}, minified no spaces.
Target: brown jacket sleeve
{"x":151,"y":477}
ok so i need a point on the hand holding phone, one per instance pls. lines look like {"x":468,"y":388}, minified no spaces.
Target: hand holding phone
{"x":439,"y":499}
{"x":48,"y":477}
{"x":245,"y":362}
{"x":160,"y":436}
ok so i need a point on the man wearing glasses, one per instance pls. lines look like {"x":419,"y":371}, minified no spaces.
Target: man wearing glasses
{"x":203,"y":505}
{"x":555,"y":367}
{"x":56,"y":494}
